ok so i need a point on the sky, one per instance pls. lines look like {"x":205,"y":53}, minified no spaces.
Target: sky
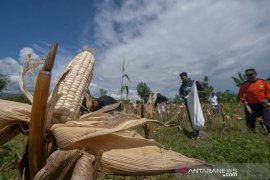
{"x":158,"y":40}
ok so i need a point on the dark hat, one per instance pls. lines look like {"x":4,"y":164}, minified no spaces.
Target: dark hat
{"x":183,"y":74}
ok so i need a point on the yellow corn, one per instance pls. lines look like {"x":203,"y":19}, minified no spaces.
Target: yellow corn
{"x":72,"y":89}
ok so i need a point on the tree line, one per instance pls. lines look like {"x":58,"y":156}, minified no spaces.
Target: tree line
{"x":144,"y":90}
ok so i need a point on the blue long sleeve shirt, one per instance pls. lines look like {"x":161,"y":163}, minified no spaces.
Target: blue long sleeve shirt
{"x":185,"y":88}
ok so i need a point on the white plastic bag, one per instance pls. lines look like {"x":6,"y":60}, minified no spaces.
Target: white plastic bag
{"x":194,"y":107}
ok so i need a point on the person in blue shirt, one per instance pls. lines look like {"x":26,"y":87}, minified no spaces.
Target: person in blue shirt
{"x":184,"y":90}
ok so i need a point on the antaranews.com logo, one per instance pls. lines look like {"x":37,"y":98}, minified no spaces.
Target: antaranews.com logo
{"x":222,"y":172}
{"x":232,"y":170}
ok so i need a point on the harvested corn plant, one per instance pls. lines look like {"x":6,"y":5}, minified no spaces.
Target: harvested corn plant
{"x":64,"y":145}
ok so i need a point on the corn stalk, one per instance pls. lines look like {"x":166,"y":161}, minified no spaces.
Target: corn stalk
{"x":124,"y":87}
{"x":37,"y":150}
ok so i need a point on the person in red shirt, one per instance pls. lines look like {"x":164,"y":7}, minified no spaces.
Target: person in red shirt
{"x":255,"y":95}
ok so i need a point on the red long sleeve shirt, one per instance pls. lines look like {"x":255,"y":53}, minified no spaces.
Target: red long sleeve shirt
{"x":253,"y":92}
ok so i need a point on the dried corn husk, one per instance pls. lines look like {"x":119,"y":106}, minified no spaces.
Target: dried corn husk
{"x":146,"y":160}
{"x":7,"y":133}
{"x":14,"y":113}
{"x":124,"y":152}
{"x":66,"y":136}
{"x":101,"y":111}
{"x":84,"y":169}
{"x":29,"y":65}
{"x":59,"y":165}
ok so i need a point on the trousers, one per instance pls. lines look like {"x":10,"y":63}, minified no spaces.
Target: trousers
{"x":259,"y":110}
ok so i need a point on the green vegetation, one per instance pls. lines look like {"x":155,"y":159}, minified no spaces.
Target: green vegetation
{"x":9,"y":158}
{"x":204,"y":95}
{"x":4,"y":80}
{"x":227,"y":97}
{"x":103,"y":92}
{"x":143,"y":91}
{"x":20,"y":98}
{"x":234,"y":145}
{"x":240,"y":79}
{"x":177,"y":99}
{"x":124,"y":87}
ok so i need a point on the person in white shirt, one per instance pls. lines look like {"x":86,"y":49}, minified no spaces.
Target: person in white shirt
{"x":161,"y":104}
{"x":214,"y":102}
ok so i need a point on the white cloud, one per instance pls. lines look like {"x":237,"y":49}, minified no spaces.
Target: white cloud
{"x":115,"y":93}
{"x":93,"y":84}
{"x":11,"y":68}
{"x":25,"y":53}
{"x":160,"y":39}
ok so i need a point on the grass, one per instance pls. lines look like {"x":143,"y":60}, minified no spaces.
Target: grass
{"x":9,"y":158}
{"x":235,"y":145}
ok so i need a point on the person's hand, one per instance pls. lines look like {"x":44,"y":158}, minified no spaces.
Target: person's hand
{"x":263,"y":101}
{"x":245,"y":102}
{"x":186,"y":97}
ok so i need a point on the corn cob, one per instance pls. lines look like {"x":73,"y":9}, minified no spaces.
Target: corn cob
{"x":72,"y":89}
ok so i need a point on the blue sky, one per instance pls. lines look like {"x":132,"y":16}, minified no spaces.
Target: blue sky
{"x":159,"y":39}
{"x":24,"y":23}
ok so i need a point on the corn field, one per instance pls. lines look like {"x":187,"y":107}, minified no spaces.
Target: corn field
{"x":63,"y":144}
{"x":58,"y":142}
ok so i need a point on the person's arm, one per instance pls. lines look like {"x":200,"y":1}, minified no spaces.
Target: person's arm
{"x":165,"y":98}
{"x":267,"y":91}
{"x":243,"y":99}
{"x":181,"y":92}
{"x":241,"y":94}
